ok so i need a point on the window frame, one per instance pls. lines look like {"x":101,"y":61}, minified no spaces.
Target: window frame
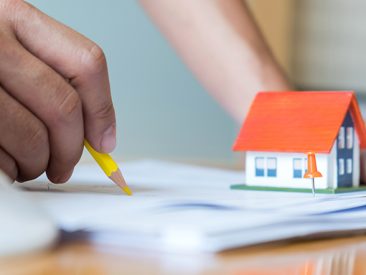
{"x":341,"y":138}
{"x":271,"y":172}
{"x":341,"y":170}
{"x":259,"y":172}
{"x":349,"y":137}
{"x":349,"y":166}
{"x":297,"y":173}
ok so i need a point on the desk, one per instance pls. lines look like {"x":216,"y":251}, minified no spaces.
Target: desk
{"x":326,"y":257}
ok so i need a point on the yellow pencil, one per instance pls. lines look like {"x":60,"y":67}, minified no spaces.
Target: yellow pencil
{"x":110,"y":167}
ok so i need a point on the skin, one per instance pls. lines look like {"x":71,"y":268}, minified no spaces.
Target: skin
{"x":54,"y":91}
{"x":220,"y":42}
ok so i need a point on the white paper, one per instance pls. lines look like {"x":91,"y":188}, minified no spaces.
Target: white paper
{"x":183,"y":207}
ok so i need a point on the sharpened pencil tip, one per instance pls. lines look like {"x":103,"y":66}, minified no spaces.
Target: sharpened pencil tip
{"x":127,"y":190}
{"x":118,"y":179}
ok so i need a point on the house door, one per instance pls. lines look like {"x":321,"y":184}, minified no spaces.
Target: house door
{"x":345,"y":144}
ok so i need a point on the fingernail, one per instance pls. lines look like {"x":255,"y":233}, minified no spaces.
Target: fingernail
{"x":109,"y":140}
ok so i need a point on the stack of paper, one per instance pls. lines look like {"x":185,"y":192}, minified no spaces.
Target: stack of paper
{"x":179,"y":207}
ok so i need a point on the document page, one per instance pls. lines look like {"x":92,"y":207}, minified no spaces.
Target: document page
{"x":173,"y":202}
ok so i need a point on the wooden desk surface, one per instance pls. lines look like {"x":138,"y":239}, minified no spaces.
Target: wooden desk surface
{"x":327,"y":257}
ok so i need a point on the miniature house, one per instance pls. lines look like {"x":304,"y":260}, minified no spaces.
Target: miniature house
{"x":282,"y":127}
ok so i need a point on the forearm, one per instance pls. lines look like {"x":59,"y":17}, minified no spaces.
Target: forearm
{"x":221,"y":44}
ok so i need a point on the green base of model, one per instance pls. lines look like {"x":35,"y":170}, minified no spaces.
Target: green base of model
{"x":300,"y":190}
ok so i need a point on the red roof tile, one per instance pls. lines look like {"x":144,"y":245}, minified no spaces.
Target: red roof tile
{"x":298,"y":121}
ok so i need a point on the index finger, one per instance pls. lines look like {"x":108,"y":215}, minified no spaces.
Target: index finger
{"x":76,"y":58}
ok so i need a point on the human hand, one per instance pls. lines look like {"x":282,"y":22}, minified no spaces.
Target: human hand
{"x":54,"y":91}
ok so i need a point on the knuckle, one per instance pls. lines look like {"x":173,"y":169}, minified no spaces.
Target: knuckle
{"x":93,"y":59}
{"x":13,"y":8}
{"x":37,"y":139}
{"x":12,"y":4}
{"x":68,"y":105}
{"x":104,"y":111}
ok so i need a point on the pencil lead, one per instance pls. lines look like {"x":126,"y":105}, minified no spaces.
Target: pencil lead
{"x":127,"y":190}
{"x":118,"y":179}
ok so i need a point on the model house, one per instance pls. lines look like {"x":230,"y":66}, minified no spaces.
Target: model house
{"x":282,"y":127}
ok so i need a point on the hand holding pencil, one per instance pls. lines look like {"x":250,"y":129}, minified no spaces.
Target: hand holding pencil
{"x":54,"y":92}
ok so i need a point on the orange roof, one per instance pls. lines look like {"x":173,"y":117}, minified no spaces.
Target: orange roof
{"x":298,"y":121}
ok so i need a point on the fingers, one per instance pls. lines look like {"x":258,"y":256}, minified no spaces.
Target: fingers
{"x":76,"y":58}
{"x":93,"y":88}
{"x":24,"y":138}
{"x":47,"y":95}
{"x":8,"y":165}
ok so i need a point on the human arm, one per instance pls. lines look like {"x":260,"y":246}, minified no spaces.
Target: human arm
{"x":221,"y":44}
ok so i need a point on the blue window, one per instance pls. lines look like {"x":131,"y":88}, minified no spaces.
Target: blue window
{"x":271,"y":167}
{"x":297,"y":168}
{"x":259,"y":167}
{"x":349,"y":137}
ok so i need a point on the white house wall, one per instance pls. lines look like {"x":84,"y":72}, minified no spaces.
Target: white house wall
{"x":285,"y":170}
{"x":356,"y":161}
{"x":327,"y":165}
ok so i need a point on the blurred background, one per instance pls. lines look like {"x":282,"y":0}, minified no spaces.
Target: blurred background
{"x":164,"y":113}
{"x":320,"y":44}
